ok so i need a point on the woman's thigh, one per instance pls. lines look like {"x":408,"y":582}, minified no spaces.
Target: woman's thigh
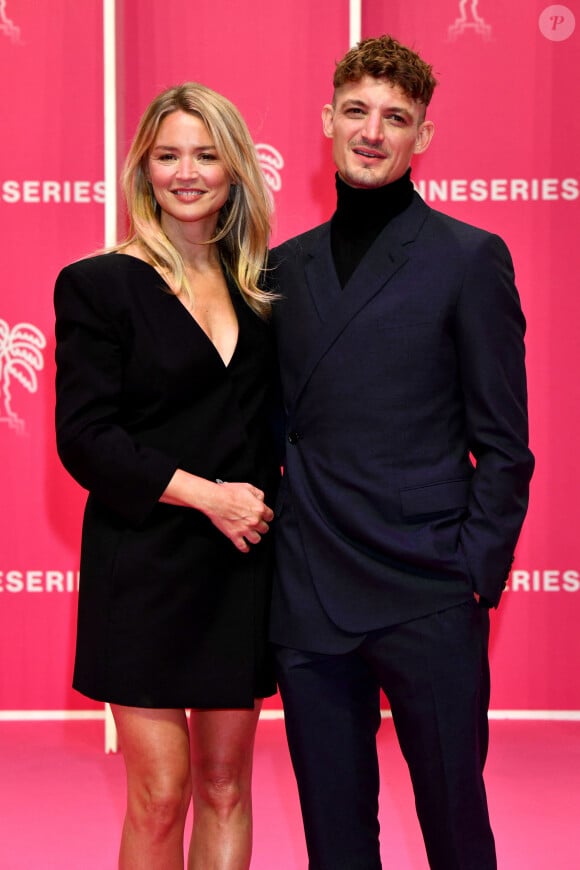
{"x":155,"y":747}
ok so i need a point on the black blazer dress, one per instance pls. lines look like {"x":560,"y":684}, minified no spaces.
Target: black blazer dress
{"x":170,"y":614}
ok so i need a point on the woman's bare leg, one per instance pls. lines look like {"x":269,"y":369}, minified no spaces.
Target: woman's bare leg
{"x":155,"y":748}
{"x":222,"y":746}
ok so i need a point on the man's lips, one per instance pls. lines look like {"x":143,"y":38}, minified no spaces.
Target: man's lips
{"x":369,"y":153}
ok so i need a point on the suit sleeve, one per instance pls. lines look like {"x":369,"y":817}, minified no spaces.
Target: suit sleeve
{"x":490,"y":340}
{"x":92,"y":442}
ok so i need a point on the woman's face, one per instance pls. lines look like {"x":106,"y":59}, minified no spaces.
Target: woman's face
{"x":189,"y":180}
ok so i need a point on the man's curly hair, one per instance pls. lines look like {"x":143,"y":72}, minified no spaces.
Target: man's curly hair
{"x":382,"y":57}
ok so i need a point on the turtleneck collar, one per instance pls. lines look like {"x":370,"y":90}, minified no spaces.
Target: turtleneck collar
{"x":360,"y":210}
{"x":360,"y":216}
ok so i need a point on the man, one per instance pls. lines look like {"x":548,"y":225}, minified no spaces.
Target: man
{"x":406,"y":479}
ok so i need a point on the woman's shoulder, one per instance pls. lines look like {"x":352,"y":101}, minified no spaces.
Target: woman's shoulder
{"x":107,"y":264}
{"x":106,"y":282}
{"x":109,"y":274}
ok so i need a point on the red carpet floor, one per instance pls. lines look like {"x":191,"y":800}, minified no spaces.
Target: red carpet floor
{"x":62,"y":798}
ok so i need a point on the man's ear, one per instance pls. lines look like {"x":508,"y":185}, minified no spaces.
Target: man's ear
{"x":424,"y":136}
{"x":327,"y":120}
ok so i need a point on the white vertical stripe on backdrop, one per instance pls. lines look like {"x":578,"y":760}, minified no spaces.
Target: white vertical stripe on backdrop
{"x":110,"y":228}
{"x":110,"y":118}
{"x":355,"y":21}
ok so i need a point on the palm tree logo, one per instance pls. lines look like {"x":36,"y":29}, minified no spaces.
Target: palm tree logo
{"x":271,"y":162}
{"x":7,"y":26}
{"x":469,"y":19}
{"x":20,"y":358}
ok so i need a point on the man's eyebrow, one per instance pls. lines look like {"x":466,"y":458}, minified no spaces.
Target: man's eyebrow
{"x":353,"y":102}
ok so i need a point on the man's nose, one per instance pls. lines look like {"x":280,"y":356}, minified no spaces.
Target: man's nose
{"x":373,"y":127}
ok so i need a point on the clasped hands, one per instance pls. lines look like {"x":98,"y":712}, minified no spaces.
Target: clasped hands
{"x":240,"y":513}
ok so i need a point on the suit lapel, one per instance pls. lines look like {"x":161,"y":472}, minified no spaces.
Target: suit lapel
{"x":321,"y":278}
{"x":337,"y":307}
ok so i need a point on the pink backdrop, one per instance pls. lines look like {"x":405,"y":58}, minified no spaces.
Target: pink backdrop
{"x":505,"y":157}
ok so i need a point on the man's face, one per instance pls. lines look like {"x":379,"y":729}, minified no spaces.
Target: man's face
{"x":375,"y":129}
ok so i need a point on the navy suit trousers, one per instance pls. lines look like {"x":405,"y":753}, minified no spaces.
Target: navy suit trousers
{"x":435,"y":674}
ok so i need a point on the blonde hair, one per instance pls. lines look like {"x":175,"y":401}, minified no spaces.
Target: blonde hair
{"x":243,"y":228}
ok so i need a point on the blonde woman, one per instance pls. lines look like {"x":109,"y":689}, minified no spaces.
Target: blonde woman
{"x":164,"y":373}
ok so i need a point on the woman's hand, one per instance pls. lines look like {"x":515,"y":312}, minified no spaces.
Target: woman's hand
{"x":236,"y":509}
{"x":240,"y":513}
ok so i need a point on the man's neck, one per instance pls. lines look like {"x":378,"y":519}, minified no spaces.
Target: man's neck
{"x":361,"y":214}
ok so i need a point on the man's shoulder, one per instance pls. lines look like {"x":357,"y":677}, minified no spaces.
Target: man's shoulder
{"x":438,"y":220}
{"x":300,"y":244}
{"x":456,"y":241}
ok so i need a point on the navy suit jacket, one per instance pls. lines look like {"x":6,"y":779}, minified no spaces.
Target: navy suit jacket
{"x":407,"y":465}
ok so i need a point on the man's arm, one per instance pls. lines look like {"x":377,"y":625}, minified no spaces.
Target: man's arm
{"x":490,"y":342}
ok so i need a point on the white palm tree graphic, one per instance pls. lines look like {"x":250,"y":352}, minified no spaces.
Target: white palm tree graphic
{"x":20,"y":358}
{"x":6,"y":25}
{"x":271,"y":161}
{"x":469,"y":18}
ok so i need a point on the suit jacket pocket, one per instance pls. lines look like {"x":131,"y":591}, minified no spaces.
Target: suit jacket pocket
{"x":448,"y":495}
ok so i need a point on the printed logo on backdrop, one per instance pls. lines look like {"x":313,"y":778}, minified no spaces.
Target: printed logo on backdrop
{"x":557,"y":23}
{"x":21,"y":358}
{"x":530,"y":190}
{"x":271,"y":162}
{"x":34,"y":191}
{"x":32,"y":581}
{"x":469,"y":21}
{"x":7,"y":27}
{"x":544,"y":580}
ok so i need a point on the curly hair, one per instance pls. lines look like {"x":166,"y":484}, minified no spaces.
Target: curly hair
{"x":383,"y":57}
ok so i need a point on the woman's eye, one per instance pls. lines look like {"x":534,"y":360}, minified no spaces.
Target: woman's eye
{"x":208,"y":157}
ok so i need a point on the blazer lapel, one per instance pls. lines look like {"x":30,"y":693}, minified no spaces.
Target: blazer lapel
{"x":337,"y":307}
{"x":321,"y":278}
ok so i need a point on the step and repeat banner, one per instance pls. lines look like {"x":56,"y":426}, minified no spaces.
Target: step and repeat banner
{"x":504,"y":157}
{"x":51,"y":212}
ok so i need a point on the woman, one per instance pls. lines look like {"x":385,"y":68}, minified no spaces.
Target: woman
{"x":164,"y":365}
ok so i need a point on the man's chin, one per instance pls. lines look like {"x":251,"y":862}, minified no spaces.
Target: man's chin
{"x":363,"y":178}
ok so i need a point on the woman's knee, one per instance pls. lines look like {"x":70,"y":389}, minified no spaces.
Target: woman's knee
{"x":222,"y":745}
{"x":221,"y":786}
{"x":158,"y":806}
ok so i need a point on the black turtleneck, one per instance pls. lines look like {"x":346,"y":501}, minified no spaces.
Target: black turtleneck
{"x":360,"y":216}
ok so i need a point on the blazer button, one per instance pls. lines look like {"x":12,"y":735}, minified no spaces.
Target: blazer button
{"x":294,"y":437}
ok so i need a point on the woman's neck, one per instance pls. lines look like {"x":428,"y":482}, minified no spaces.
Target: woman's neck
{"x":192,"y":240}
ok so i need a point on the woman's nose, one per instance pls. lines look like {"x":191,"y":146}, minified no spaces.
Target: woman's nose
{"x":186,"y":167}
